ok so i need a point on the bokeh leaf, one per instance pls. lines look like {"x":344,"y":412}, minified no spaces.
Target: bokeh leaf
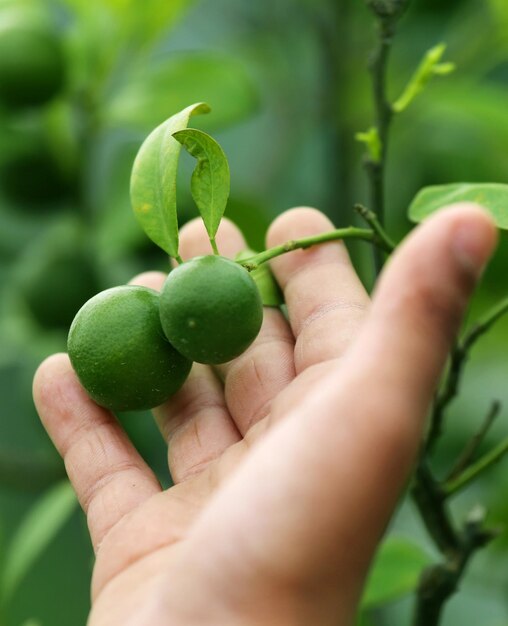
{"x":136,"y":21}
{"x":271,"y":293}
{"x":210,"y":181}
{"x":364,"y":619}
{"x":152,"y":17}
{"x":492,"y":196}
{"x":36,"y":531}
{"x":170,"y":84}
{"x":395,"y":573}
{"x":153,"y":180}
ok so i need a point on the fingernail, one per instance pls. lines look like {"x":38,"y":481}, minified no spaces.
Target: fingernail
{"x":473,"y":244}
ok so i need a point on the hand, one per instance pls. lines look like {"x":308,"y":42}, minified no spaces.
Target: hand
{"x":287,"y":472}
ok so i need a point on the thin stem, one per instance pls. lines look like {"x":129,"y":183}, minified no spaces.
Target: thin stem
{"x":458,"y":359}
{"x":178,"y":259}
{"x":364,"y":234}
{"x":466,"y":457}
{"x":485,"y":323}
{"x":473,"y":471}
{"x":214,"y":246}
{"x":450,"y":389}
{"x":373,"y":221}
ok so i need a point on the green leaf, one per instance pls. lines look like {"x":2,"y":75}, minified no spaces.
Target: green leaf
{"x":153,"y":180}
{"x":32,"y":622}
{"x":372,"y":142}
{"x":168,"y":85}
{"x":271,"y":293}
{"x":36,"y":531}
{"x":395,"y":573}
{"x":492,"y":196}
{"x":130,"y":20}
{"x":210,"y":180}
{"x":430,"y":66}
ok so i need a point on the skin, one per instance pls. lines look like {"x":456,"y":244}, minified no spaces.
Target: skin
{"x":288,"y":461}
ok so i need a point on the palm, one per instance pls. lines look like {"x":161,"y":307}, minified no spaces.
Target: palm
{"x":286,"y":470}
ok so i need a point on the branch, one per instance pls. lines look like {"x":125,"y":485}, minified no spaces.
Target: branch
{"x":471,"y":473}
{"x":372,"y":220}
{"x":467,"y":455}
{"x":485,"y":323}
{"x":440,"y":581}
{"x":458,"y":359}
{"x":429,"y":499}
{"x":363,"y":234}
{"x":375,"y":167}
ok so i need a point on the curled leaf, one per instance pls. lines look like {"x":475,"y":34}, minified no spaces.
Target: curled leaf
{"x":153,"y":180}
{"x":210,"y":181}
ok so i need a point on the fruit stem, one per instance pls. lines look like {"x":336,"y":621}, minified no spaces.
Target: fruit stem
{"x":214,"y":246}
{"x":364,"y":234}
{"x":178,"y":259}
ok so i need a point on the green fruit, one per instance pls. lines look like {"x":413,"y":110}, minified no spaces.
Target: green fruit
{"x":119,"y":352}
{"x":211,"y":310}
{"x":32,"y":63}
{"x":32,"y":179}
{"x":58,"y":286}
{"x":57,"y":273}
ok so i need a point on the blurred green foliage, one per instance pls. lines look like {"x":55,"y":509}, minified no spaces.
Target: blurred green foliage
{"x":288,"y":86}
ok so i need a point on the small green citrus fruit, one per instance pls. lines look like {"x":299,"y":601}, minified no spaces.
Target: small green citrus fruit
{"x":32,"y":63}
{"x":119,"y":352}
{"x":211,"y":310}
{"x":33,"y":180}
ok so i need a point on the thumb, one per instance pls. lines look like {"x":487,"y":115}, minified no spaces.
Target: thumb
{"x":312,"y":500}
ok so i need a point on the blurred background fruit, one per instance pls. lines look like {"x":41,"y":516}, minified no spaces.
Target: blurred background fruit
{"x":82,"y":82}
{"x":32,"y":58}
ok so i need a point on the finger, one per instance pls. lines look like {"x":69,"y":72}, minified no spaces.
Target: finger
{"x":194,"y":240}
{"x":345,"y":454}
{"x":152,"y":280}
{"x":254,"y":379}
{"x":196,"y":424}
{"x":326,"y":301}
{"x":107,"y":473}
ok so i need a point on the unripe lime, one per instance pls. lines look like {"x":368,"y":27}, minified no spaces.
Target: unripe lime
{"x":57,"y":273}
{"x":32,"y":62}
{"x":58,"y":286}
{"x":119,"y":352}
{"x":33,"y":180}
{"x":211,"y":310}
